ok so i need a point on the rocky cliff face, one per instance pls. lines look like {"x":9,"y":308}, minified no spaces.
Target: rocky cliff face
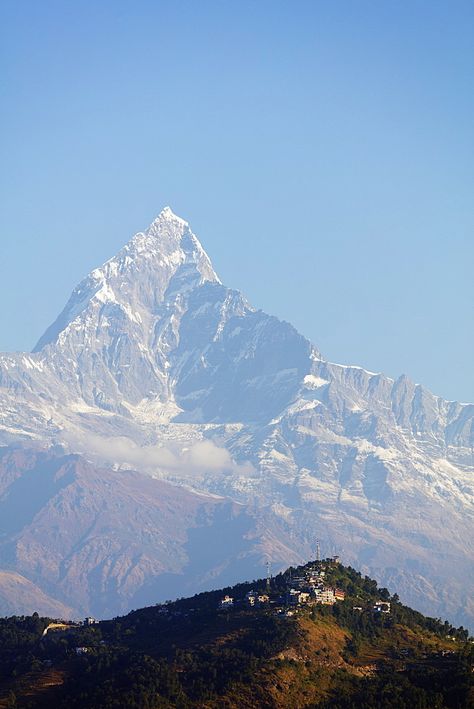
{"x":155,"y":365}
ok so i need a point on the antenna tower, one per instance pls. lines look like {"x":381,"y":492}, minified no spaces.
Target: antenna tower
{"x":268,"y":565}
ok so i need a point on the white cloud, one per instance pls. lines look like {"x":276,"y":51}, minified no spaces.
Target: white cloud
{"x":201,"y":456}
{"x":205,"y":454}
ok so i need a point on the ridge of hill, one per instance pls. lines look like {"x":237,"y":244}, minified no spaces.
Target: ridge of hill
{"x":268,"y":643}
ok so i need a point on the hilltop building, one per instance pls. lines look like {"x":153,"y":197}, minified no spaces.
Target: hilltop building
{"x":90,"y":620}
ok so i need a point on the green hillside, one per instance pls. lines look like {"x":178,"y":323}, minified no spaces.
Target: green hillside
{"x":318,"y":636}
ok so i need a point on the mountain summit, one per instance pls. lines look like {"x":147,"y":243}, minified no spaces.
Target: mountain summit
{"x":155,"y":364}
{"x":137,"y":279}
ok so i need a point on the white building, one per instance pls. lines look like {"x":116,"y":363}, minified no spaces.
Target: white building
{"x":82,"y":650}
{"x":251,"y":598}
{"x":296,"y":597}
{"x":227,"y":602}
{"x":382,"y":607}
{"x":326,"y":597}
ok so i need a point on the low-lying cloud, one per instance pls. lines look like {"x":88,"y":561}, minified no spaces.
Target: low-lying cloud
{"x":199,"y":456}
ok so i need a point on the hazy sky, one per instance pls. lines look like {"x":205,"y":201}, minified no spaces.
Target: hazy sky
{"x":322,"y":151}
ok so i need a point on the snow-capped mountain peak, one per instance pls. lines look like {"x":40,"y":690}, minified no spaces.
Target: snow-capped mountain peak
{"x":140,"y":275}
{"x":153,"y":354}
{"x":168,"y":215}
{"x":173,"y":236}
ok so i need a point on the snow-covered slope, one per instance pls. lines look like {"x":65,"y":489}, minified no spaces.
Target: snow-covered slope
{"x":155,"y":364}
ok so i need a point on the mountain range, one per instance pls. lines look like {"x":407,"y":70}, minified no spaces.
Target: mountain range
{"x":164,"y":436}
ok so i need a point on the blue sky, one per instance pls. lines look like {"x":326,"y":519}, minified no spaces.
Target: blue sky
{"x":322,"y":151}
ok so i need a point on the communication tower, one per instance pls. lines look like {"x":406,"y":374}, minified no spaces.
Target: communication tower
{"x":269,"y":566}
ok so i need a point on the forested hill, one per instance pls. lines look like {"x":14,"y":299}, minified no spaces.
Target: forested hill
{"x":316,"y":636}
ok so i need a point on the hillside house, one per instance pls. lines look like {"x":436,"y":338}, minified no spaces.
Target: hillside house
{"x":251,"y":598}
{"x":82,"y":650}
{"x":326,"y":597}
{"x":299,"y":582}
{"x":226,"y":602}
{"x":297,"y":598}
{"x":382,"y":607}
